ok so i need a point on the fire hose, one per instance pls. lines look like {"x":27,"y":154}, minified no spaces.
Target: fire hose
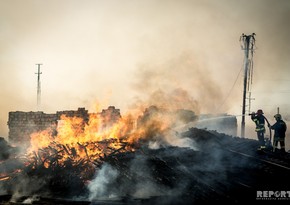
{"x":270,"y":132}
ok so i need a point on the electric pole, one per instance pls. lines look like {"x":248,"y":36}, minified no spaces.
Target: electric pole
{"x":38,"y":86}
{"x":250,"y":99}
{"x":247,"y":44}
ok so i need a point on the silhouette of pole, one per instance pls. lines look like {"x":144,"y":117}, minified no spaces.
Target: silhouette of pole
{"x":247,"y":45}
{"x":38,"y":87}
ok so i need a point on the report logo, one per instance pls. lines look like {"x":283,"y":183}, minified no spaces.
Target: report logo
{"x":273,"y":195}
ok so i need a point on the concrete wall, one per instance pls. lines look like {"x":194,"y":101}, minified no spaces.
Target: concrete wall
{"x":22,"y":124}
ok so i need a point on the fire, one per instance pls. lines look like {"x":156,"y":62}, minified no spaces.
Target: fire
{"x":73,"y":148}
{"x":76,"y":140}
{"x":4,"y":178}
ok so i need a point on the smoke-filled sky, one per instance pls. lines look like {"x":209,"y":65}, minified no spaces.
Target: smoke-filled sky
{"x":183,"y":54}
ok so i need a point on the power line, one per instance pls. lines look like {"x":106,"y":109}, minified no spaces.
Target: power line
{"x":230,"y":89}
{"x":273,"y":92}
{"x":276,"y":79}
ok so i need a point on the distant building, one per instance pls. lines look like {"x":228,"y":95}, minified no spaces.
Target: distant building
{"x":222,"y":123}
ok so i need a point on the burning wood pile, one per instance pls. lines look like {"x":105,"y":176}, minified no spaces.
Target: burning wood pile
{"x":63,"y":159}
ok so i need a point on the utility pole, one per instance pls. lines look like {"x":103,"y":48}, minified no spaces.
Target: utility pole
{"x":247,"y":44}
{"x":38,"y":86}
{"x":250,"y":99}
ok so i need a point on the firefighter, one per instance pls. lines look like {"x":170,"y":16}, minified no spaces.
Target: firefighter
{"x":259,"y":120}
{"x":279,"y":128}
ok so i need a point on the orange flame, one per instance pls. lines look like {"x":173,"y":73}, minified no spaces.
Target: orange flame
{"x":4,"y":178}
{"x":79,"y":140}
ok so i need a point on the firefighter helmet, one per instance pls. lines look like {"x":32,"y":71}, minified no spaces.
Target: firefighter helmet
{"x":277,"y":117}
{"x":260,"y":112}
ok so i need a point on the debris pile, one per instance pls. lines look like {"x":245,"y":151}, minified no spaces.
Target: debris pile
{"x":89,"y":161}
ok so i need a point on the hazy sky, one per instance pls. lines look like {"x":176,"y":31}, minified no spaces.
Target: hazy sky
{"x":180,"y":53}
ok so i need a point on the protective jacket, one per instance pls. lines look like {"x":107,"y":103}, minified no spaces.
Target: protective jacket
{"x":279,"y":128}
{"x":260,"y":122}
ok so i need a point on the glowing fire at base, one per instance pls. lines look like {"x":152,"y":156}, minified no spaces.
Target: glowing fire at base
{"x":4,"y":178}
{"x":70,"y":152}
{"x":73,"y":142}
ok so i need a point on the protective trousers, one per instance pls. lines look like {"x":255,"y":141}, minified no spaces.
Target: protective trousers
{"x":282,"y":144}
{"x":260,"y":135}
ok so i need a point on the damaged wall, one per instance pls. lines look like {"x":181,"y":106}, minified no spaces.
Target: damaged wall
{"x":22,"y":124}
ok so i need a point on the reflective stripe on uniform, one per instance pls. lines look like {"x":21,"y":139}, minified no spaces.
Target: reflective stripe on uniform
{"x":259,"y":127}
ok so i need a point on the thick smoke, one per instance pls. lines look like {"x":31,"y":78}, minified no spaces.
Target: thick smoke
{"x":101,"y":187}
{"x":147,"y":187}
{"x":109,"y":184}
{"x":180,"y":83}
{"x":99,"y":44}
{"x":27,"y":186}
{"x":168,"y":174}
{"x":157,"y":127}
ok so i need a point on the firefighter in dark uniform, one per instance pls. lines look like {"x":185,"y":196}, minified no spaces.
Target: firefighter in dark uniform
{"x":279,"y":128}
{"x":259,"y":120}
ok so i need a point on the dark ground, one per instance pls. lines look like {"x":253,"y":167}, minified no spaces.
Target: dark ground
{"x":224,"y":169}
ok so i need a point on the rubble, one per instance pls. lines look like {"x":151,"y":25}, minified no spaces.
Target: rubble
{"x":222,"y":168}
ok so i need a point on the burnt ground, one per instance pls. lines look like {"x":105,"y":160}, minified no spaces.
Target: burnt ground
{"x":222,"y":168}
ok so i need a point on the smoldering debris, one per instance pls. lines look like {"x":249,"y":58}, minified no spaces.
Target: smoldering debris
{"x":99,"y":187}
{"x":167,"y":175}
{"x":6,"y":150}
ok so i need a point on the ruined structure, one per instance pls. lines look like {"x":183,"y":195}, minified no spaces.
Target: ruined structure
{"x":22,"y":124}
